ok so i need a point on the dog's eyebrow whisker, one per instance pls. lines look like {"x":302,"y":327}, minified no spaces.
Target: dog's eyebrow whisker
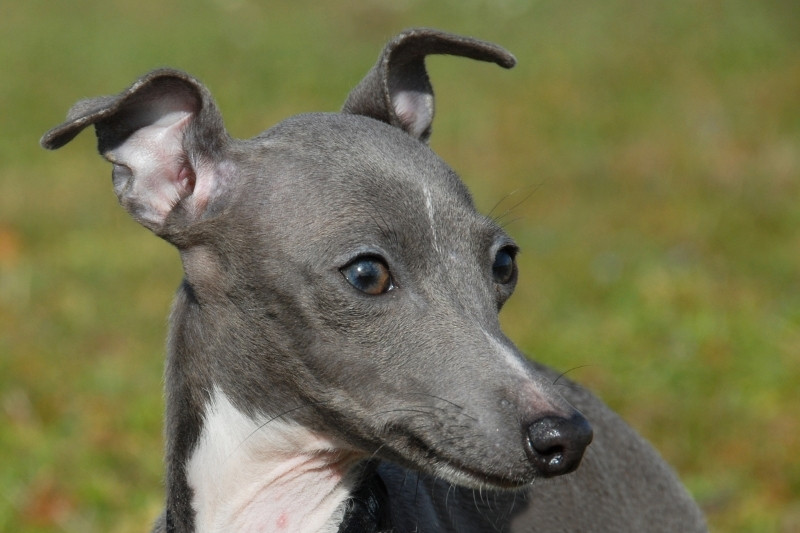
{"x":501,"y":200}
{"x":532,"y":190}
{"x":564,"y":373}
{"x":505,"y":223}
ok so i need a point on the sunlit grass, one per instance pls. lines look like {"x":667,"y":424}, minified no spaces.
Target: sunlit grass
{"x":655,"y":153}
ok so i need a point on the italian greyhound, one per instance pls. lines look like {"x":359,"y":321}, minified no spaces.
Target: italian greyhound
{"x":335,"y":361}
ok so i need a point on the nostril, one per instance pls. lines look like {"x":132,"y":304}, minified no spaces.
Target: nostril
{"x":555,"y":445}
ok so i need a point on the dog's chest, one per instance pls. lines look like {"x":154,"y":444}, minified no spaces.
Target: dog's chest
{"x":265,"y":475}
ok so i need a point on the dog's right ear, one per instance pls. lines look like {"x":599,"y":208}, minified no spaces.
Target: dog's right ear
{"x":166,"y":140}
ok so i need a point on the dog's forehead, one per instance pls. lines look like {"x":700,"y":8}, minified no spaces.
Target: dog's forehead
{"x":336,"y":163}
{"x":326,"y":181}
{"x":352,"y":146}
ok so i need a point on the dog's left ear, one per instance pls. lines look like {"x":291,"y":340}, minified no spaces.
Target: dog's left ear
{"x":397,"y":89}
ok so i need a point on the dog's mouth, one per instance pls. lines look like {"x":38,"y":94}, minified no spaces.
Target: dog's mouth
{"x":418,"y":454}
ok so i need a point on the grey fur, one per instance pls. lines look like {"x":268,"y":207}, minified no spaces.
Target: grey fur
{"x":263,"y":227}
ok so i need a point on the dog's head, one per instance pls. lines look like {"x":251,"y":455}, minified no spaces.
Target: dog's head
{"x":338,"y":269}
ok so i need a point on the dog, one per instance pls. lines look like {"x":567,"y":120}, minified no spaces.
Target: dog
{"x":335,"y":361}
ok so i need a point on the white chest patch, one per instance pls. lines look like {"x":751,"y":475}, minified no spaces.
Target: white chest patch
{"x":265,"y":475}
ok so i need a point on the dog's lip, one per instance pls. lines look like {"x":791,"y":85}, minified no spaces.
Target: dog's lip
{"x":483,"y":478}
{"x":426,"y":456}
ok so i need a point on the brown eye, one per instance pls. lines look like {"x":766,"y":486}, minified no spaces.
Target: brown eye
{"x":368,"y":274}
{"x":504,"y":269}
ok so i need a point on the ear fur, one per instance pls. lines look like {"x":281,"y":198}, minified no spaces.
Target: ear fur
{"x":397,"y":89}
{"x":164,"y":136}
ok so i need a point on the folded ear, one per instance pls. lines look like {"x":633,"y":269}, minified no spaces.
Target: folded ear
{"x":166,"y":140}
{"x":397,"y":89}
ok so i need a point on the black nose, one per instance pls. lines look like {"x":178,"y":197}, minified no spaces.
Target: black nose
{"x":555,"y":445}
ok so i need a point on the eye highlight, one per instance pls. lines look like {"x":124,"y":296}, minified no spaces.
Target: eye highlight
{"x":504,"y":268}
{"x":369,"y":274}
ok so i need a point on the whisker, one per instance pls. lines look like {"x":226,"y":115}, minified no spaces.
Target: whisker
{"x":269,"y":421}
{"x":506,"y":223}
{"x":533,"y":189}
{"x":416,"y":409}
{"x":568,"y":371}
{"x":457,"y":406}
{"x":501,"y":200}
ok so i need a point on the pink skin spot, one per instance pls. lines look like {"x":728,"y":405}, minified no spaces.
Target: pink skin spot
{"x":283,"y":522}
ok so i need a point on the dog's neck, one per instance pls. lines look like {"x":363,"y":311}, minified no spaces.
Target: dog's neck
{"x":249,"y":474}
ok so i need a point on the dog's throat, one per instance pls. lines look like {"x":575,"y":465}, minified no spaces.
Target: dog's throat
{"x":257,"y":475}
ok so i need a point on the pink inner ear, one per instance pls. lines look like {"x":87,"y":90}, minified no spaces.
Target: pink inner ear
{"x":186,"y":180}
{"x":161,"y":175}
{"x":414,"y":109}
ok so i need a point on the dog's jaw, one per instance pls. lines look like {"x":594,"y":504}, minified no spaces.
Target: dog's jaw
{"x":247,"y":474}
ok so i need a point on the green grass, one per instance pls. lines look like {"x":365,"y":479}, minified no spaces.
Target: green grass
{"x":654,"y":148}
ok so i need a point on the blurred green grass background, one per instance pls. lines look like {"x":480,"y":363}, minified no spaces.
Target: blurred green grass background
{"x":649,"y":153}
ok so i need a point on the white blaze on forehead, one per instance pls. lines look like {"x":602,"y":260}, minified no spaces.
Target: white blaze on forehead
{"x":431,"y":213}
